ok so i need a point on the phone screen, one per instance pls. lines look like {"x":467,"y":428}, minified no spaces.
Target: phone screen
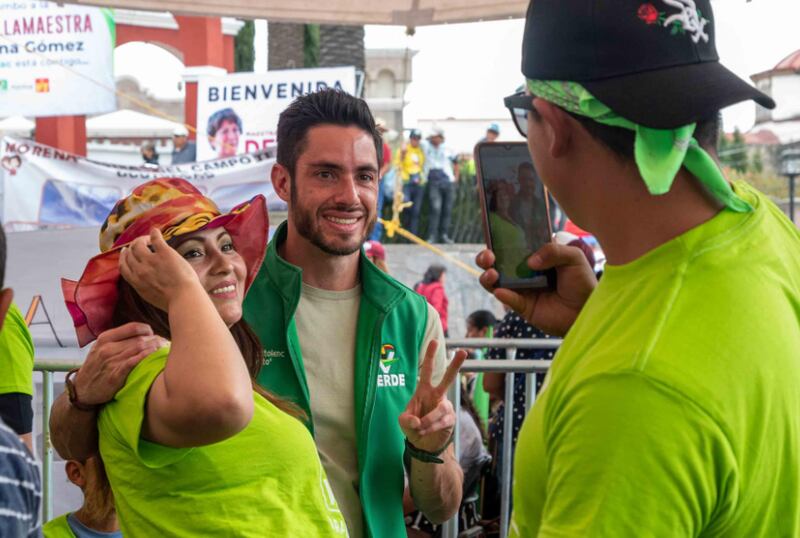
{"x":516,"y":216}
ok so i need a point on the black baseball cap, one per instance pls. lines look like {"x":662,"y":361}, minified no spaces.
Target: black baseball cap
{"x":654,"y":63}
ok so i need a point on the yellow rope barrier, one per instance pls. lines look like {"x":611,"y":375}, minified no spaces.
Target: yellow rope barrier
{"x":411,"y":237}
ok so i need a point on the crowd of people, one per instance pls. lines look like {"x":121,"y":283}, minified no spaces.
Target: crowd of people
{"x":242,"y":387}
{"x":427,"y":172}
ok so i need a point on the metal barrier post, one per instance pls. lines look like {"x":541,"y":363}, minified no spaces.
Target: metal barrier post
{"x":450,"y":527}
{"x":47,"y":447}
{"x":508,"y":449}
{"x":530,"y":391}
{"x":48,"y":367}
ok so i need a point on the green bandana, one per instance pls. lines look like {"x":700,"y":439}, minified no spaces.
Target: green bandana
{"x":659,"y":152}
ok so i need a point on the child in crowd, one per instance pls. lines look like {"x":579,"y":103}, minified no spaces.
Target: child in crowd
{"x":97,"y":517}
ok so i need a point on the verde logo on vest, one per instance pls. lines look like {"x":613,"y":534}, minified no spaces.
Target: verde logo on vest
{"x":385,"y":377}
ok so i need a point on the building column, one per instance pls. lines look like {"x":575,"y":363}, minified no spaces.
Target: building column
{"x":203,"y":48}
{"x":67,"y":133}
{"x":202,"y":41}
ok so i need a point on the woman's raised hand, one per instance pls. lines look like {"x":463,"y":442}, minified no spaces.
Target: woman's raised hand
{"x":156,"y":271}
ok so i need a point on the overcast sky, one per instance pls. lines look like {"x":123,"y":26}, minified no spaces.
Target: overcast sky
{"x":464,"y":70}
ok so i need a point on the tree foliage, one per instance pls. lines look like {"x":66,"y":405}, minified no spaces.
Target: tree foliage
{"x":733,"y":152}
{"x":311,"y":45}
{"x":244,"y":47}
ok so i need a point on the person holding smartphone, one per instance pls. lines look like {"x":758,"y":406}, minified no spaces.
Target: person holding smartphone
{"x":672,"y":406}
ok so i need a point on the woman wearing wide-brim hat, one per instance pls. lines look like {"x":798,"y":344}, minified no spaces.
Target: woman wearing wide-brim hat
{"x":192,"y":446}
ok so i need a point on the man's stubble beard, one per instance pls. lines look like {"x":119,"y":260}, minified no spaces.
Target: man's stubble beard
{"x":304,"y":223}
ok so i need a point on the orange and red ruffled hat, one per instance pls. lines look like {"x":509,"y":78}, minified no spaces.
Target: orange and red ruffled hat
{"x":175,"y":207}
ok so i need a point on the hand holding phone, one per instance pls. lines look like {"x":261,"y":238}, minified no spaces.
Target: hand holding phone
{"x":516,"y":218}
{"x":551,"y":310}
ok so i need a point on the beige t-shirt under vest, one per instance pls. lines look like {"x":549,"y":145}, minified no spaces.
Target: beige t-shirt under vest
{"x":326,"y":328}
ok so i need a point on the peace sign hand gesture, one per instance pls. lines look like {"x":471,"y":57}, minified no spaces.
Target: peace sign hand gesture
{"x":429,"y":418}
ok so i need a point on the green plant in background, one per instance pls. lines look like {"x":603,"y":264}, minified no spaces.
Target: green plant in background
{"x":757,"y":162}
{"x":771,"y":184}
{"x":244,"y":48}
{"x":733,"y":153}
{"x":311,"y":45}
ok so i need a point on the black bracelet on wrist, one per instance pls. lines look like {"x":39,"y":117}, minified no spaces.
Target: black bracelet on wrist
{"x":424,"y":455}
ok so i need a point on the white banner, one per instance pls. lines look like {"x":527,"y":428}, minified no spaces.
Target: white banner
{"x":238,"y":113}
{"x":46,"y":187}
{"x":56,"y":59}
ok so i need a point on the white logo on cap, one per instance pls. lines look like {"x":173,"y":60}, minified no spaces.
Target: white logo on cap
{"x":689,"y":18}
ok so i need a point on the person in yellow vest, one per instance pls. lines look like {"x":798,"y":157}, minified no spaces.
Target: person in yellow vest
{"x":97,"y":517}
{"x":410,"y":159}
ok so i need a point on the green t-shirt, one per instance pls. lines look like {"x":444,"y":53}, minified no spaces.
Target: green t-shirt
{"x":58,"y":528}
{"x":266,"y":480}
{"x":673,"y":406}
{"x":16,"y":354}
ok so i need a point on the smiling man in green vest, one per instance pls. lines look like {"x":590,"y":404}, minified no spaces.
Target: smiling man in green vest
{"x":342,"y":339}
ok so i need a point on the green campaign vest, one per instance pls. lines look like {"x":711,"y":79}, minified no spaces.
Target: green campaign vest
{"x":390,"y":333}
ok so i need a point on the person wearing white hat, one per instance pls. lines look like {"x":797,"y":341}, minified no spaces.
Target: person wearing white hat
{"x":184,"y":150}
{"x":441,"y":170}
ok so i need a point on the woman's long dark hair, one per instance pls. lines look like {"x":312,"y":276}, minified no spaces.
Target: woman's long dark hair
{"x":131,"y":307}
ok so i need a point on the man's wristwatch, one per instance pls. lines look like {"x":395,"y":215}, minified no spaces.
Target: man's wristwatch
{"x":73,"y":394}
{"x":424,"y":455}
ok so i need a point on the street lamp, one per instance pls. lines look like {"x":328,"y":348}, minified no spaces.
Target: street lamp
{"x":790,"y":167}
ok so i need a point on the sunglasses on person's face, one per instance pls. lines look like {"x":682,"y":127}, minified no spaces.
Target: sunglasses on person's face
{"x":519,"y":104}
